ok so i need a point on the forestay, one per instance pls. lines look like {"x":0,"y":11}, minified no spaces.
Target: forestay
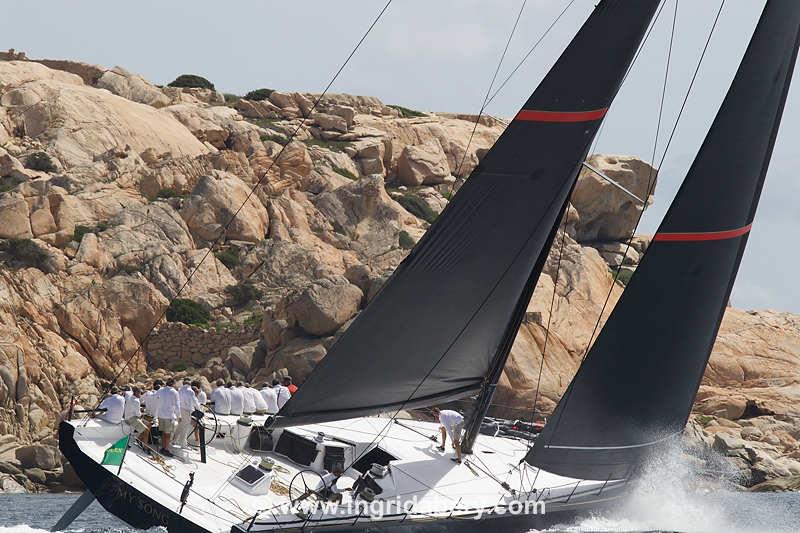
{"x":441,"y":321}
{"x":636,"y":386}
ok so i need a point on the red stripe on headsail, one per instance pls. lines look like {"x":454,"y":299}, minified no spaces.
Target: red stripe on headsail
{"x":560,"y":116}
{"x":703,"y":235}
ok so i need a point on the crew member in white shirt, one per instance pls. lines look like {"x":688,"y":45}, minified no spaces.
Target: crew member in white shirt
{"x":452,"y":423}
{"x":237,"y":399}
{"x":270,"y":396}
{"x":133,"y":405}
{"x":168,"y":412}
{"x":248,"y":404}
{"x":221,"y":399}
{"x":202,"y":398}
{"x":282,"y":393}
{"x":150,"y":402}
{"x":188,"y":403}
{"x":261,"y":405}
{"x":114,"y":406}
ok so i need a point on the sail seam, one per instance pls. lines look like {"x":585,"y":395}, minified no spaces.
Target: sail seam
{"x":702,"y":235}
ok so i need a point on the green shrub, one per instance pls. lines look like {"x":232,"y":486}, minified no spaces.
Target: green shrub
{"x":406,"y":112}
{"x":258,"y":94}
{"x":7,"y":183}
{"x":167,"y":193}
{"x":40,"y":161}
{"x":231,"y":99}
{"x":243,"y":293}
{"x":192,"y":81}
{"x":344,"y":172}
{"x":448,"y":195}
{"x":25,"y":252}
{"x":187,"y":311}
{"x":81,"y":230}
{"x":253,"y":320}
{"x":406,"y":240}
{"x":417,"y":207}
{"x":277,"y":138}
{"x":178,"y":366}
{"x":624,"y":276}
{"x":229,"y":258}
{"x":335,"y":146}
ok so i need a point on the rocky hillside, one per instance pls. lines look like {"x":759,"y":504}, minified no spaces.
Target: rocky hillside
{"x":113,"y":190}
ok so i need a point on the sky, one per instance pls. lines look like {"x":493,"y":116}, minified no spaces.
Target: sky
{"x":440,"y":56}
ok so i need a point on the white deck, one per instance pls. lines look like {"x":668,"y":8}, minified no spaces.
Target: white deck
{"x":441,"y":487}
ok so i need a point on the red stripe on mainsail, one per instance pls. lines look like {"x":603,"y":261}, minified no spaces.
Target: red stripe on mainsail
{"x":560,"y":116}
{"x":703,"y":235}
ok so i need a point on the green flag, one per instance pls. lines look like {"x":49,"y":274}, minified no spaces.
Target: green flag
{"x":116,"y":453}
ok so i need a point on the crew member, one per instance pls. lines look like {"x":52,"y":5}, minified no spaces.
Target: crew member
{"x":188,"y":404}
{"x":287,"y":382}
{"x":114,"y":406}
{"x":261,"y":404}
{"x":282,"y":393}
{"x":452,"y":423}
{"x":248,"y":403}
{"x":221,"y":399}
{"x":168,"y":413}
{"x":327,"y":487}
{"x":237,"y":399}
{"x":270,"y":396}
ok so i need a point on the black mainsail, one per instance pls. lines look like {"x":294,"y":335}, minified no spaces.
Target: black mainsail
{"x":636,"y":386}
{"x":441,"y":323}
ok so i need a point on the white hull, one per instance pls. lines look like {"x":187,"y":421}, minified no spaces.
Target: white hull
{"x":423,"y":488}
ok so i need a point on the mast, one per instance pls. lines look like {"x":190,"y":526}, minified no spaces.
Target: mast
{"x":442,"y":325}
{"x":484,"y":400}
{"x":634,"y":391}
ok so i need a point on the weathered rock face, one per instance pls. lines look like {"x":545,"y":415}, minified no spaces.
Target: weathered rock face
{"x":607,"y":213}
{"x":325,"y":306}
{"x":211,"y":207}
{"x":122,"y":194}
{"x":80,"y":122}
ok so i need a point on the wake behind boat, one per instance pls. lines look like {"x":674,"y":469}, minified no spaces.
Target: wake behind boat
{"x":475,"y":270}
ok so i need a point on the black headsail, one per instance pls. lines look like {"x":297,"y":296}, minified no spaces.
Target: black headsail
{"x":435,"y":329}
{"x":636,"y":386}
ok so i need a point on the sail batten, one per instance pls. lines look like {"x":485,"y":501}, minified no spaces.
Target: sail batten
{"x":634,"y":391}
{"x":438,"y":326}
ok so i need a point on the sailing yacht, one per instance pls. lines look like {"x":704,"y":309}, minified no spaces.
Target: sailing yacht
{"x":475,"y":271}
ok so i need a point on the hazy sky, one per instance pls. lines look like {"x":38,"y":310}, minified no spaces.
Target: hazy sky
{"x":439,"y":55}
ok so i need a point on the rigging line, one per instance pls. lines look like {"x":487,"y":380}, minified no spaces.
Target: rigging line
{"x":252,"y":190}
{"x":666,"y":149}
{"x":530,"y":51}
{"x":491,"y":85}
{"x":549,"y":321}
{"x":630,"y":67}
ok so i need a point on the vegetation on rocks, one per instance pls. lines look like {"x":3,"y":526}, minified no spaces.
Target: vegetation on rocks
{"x":406,"y":112}
{"x":24,"y":253}
{"x":258,"y":94}
{"x":417,"y":207}
{"x":243,"y":293}
{"x":40,"y":161}
{"x":81,"y":230}
{"x":405,"y":240}
{"x":334,"y":146}
{"x":191,"y":81}
{"x":187,"y":311}
{"x":344,"y":172}
{"x":229,"y":257}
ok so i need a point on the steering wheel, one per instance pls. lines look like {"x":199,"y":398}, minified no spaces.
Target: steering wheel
{"x":303,"y":487}
{"x":207,"y":425}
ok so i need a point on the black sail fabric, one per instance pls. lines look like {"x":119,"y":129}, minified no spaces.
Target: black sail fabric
{"x":432,"y":332}
{"x":635,"y":389}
